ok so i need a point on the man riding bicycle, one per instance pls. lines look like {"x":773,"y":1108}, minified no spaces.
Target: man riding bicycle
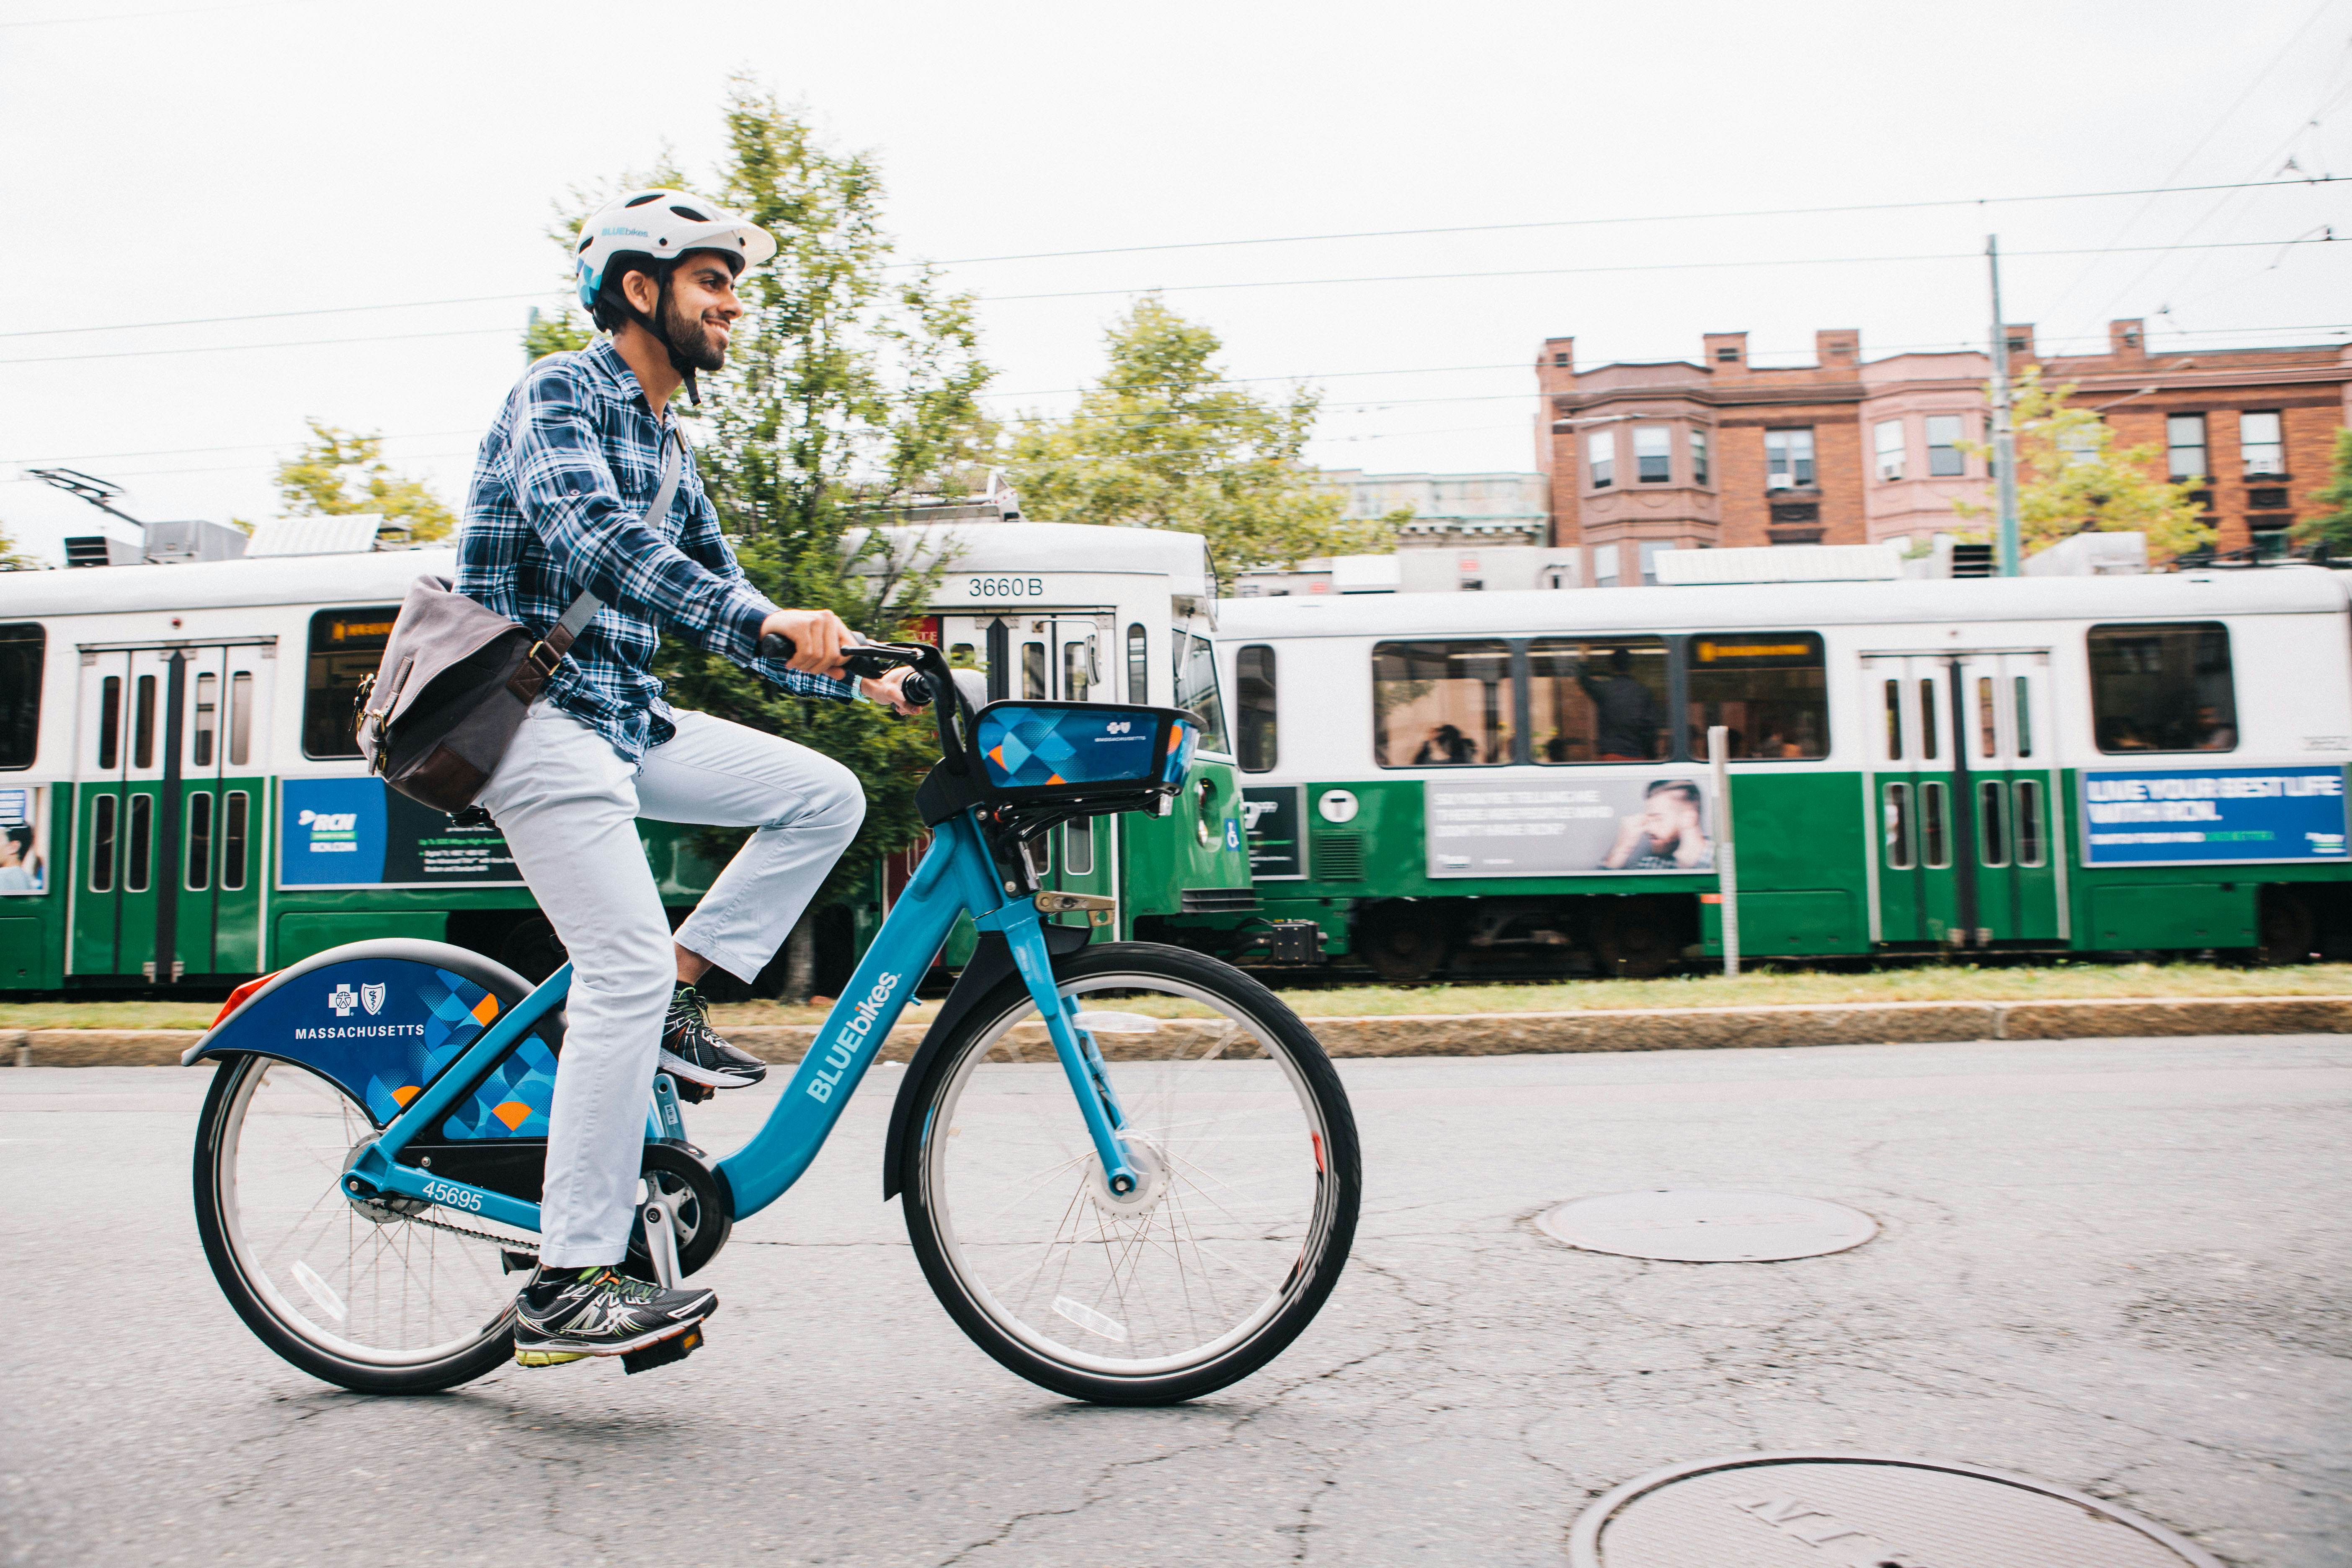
{"x":560,"y":503}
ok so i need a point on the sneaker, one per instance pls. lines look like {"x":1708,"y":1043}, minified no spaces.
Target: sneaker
{"x":564,"y":1314}
{"x":690,"y":1051}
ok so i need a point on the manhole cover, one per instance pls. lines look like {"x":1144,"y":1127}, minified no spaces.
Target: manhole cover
{"x":1709,"y":1228}
{"x":1859,"y":1511}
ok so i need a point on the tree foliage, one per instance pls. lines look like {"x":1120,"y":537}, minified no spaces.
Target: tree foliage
{"x":850,"y":383}
{"x":342,"y":472}
{"x":2073,"y":479}
{"x":13,"y":559}
{"x":2333,"y":527}
{"x":1165,"y":441}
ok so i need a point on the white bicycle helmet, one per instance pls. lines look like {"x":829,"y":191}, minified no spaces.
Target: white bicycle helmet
{"x":664,"y":225}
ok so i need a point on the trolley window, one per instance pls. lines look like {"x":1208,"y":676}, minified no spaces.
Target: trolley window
{"x":1440,"y":704}
{"x":1256,"y":743}
{"x":1769,"y":688}
{"x":1600,"y":700}
{"x":1196,"y":687}
{"x":1139,"y":664}
{"x":2163,"y":687}
{"x":21,"y":647}
{"x":346,"y":647}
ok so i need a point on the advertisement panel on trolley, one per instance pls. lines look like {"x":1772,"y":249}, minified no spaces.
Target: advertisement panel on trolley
{"x":2206,"y":816}
{"x":1640,"y":824}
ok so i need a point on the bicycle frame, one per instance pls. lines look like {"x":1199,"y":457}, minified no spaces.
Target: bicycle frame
{"x":956,"y":876}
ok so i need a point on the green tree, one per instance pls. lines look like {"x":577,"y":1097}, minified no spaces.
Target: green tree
{"x":15,"y":560}
{"x":2073,"y":479}
{"x":340,"y":472}
{"x":1165,"y":441}
{"x":2334,"y":528}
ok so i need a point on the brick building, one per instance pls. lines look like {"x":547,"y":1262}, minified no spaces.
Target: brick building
{"x":1644,"y":458}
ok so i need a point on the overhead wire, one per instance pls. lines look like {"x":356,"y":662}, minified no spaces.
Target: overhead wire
{"x":553,"y":293}
{"x":2149,"y":191}
{"x":1199,"y":287}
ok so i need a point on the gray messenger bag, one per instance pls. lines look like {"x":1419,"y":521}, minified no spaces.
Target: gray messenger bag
{"x":456,"y":679}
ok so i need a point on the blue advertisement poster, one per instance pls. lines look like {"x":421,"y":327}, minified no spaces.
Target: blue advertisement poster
{"x":2205,"y":816}
{"x":357,"y":832}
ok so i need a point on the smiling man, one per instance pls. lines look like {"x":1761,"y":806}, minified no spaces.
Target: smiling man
{"x":568,"y":497}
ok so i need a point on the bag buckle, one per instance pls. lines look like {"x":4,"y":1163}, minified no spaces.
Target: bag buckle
{"x":548,"y":665}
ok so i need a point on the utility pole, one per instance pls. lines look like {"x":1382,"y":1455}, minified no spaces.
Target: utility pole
{"x":2004,"y":430}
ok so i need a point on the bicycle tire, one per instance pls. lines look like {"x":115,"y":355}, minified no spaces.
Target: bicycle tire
{"x":1014,"y":1341}
{"x":264,"y":1311}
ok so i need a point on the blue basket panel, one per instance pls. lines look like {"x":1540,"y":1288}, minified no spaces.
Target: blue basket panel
{"x":1092,"y":745}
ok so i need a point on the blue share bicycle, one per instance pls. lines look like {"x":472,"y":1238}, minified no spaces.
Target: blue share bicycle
{"x":1129,"y":1172}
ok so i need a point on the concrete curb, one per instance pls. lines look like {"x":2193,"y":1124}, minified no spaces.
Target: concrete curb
{"x":1509,"y":1033}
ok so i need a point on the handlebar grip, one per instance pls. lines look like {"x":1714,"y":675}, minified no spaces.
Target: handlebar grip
{"x":775,"y":645}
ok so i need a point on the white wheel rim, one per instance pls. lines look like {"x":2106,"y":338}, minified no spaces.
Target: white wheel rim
{"x":396,"y":1273}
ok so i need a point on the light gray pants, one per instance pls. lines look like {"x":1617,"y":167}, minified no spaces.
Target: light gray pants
{"x":567,"y":806}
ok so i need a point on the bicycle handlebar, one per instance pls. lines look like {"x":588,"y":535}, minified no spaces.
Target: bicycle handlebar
{"x":865,"y":660}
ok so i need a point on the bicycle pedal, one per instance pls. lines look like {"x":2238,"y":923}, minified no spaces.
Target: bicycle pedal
{"x":514,"y":1262}
{"x":694,"y":1093}
{"x":547,"y":1358}
{"x":677,"y":1347}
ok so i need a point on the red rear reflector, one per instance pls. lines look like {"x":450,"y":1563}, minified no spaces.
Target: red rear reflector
{"x":1317,"y":1139}
{"x":237,"y":997}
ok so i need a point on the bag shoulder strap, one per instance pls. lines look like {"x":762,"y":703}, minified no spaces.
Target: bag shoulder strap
{"x":582,"y":610}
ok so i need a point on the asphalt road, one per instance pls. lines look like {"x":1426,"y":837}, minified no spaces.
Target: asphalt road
{"x":2115,"y":1264}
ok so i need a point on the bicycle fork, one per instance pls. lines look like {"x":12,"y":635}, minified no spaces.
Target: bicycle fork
{"x":1082,"y":1061}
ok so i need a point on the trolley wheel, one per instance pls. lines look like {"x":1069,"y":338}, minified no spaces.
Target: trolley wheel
{"x":2289,"y":931}
{"x":1403,"y":941}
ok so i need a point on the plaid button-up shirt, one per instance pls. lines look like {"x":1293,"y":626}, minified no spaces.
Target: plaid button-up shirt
{"x":557,"y":504}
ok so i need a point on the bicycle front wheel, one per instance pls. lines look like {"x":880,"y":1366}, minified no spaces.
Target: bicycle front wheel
{"x":1237,"y":1232}
{"x":388,"y":1296}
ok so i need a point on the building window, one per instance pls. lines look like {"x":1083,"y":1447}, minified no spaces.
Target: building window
{"x":1597,"y":702}
{"x":1769,"y":689}
{"x":2162,"y":688}
{"x":2078,"y":444}
{"x":1605,"y":566}
{"x":1944,"y":458}
{"x":2260,"y":441}
{"x":1788,"y":460}
{"x":1257,"y":749}
{"x":2184,"y":445}
{"x":346,"y":647}
{"x":1889,"y":439}
{"x":1653,"y":462}
{"x":1559,"y":358}
{"x":1440,"y":704}
{"x":1699,"y":457}
{"x":1601,"y":456}
{"x":1727,"y":356}
{"x":1651,"y":549}
{"x":21,"y":650}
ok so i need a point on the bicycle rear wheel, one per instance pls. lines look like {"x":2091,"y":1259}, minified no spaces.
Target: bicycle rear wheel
{"x":1237,"y":1235}
{"x":391,"y":1296}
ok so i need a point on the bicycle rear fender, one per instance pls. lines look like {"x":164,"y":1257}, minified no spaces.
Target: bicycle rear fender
{"x":381,"y":1019}
{"x":990,"y":966}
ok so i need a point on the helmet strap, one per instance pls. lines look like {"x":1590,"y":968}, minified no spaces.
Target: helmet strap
{"x":660,"y":334}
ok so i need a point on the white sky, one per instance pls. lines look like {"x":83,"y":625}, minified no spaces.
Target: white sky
{"x":200,"y":160}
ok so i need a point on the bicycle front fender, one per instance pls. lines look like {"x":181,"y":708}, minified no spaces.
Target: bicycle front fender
{"x":990,"y":966}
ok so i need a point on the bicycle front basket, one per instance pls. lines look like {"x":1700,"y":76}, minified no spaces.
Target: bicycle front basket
{"x":1063,"y":750}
